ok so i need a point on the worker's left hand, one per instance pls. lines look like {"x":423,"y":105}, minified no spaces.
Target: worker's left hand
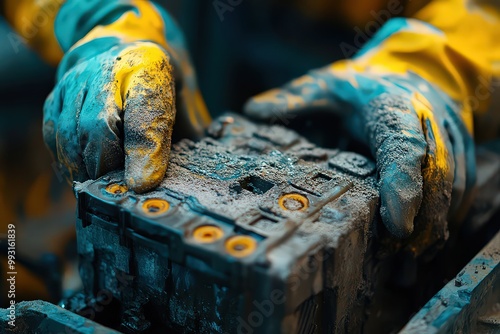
{"x":424,"y":152}
{"x":111,"y":110}
{"x":119,"y":92}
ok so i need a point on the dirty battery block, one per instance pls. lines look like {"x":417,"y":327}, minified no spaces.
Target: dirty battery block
{"x":253,"y":230}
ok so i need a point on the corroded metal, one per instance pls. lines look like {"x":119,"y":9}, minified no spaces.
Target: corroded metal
{"x":263,"y":232}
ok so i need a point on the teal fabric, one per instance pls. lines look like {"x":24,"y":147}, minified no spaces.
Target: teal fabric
{"x":378,"y":110}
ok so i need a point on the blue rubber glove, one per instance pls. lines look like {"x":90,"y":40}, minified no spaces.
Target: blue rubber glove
{"x":423,"y":149}
{"x":115,"y":102}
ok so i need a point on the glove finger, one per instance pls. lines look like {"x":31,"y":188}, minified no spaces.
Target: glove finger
{"x":399,"y":146}
{"x":431,"y":227}
{"x":460,"y":176}
{"x":51,"y":111}
{"x":470,"y":169}
{"x":438,"y":170}
{"x":148,"y":119}
{"x":100,"y":128}
{"x":311,"y":91}
{"x":67,"y":142}
{"x":465,"y":162}
{"x":192,"y":115}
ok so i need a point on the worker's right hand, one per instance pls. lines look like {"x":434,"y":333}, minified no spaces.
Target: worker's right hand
{"x":115,"y":102}
{"x":416,"y":132}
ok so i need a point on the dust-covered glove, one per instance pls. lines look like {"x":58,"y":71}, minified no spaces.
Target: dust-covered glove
{"x":115,"y":101}
{"x":416,"y":132}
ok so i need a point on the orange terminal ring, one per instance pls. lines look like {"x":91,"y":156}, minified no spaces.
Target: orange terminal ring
{"x":207,"y":234}
{"x":116,"y":188}
{"x":241,"y":245}
{"x":293,"y":202}
{"x":155,"y":206}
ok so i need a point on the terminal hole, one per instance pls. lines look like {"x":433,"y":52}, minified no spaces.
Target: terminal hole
{"x":255,"y":184}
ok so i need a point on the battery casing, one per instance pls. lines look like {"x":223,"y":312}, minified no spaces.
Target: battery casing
{"x":253,"y":230}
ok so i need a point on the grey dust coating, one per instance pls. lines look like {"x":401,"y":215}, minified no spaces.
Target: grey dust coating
{"x":256,"y":230}
{"x":253,"y":230}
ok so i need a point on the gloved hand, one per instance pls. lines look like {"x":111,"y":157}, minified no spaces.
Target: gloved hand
{"x":115,"y":101}
{"x":423,"y":149}
{"x":115,"y":107}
